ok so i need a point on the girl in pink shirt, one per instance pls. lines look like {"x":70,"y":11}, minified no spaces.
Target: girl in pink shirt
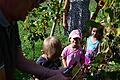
{"x":73,"y":52}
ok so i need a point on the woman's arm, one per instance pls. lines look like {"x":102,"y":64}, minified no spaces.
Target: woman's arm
{"x":32,"y":68}
{"x":65,"y":13}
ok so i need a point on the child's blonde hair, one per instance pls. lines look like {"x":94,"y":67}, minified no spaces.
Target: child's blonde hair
{"x":52,"y":46}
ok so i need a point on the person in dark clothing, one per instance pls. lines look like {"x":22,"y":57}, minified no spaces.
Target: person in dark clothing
{"x":51,"y":53}
{"x":11,"y":55}
{"x":50,"y":64}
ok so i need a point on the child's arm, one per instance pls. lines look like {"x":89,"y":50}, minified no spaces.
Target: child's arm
{"x":99,"y":48}
{"x":64,"y":62}
{"x":85,"y":47}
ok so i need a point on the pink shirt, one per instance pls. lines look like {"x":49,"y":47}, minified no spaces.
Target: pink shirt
{"x":72,"y":56}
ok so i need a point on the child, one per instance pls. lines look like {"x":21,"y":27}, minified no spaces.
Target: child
{"x":92,"y":45}
{"x":51,"y":52}
{"x":73,"y":52}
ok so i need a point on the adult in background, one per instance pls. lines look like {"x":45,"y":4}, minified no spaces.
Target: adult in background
{"x":11,"y":55}
{"x":76,"y":13}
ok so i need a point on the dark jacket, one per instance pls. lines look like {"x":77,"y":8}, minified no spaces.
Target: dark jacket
{"x":9,"y":42}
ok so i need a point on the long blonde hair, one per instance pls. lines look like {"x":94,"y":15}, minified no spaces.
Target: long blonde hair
{"x":52,"y":46}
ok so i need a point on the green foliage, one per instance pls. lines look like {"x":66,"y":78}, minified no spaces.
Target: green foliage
{"x":108,"y":58}
{"x":22,"y":76}
{"x":36,"y":28}
{"x":38,"y":24}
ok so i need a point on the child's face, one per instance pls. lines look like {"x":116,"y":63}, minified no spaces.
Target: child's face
{"x":94,"y":32}
{"x":75,"y":42}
